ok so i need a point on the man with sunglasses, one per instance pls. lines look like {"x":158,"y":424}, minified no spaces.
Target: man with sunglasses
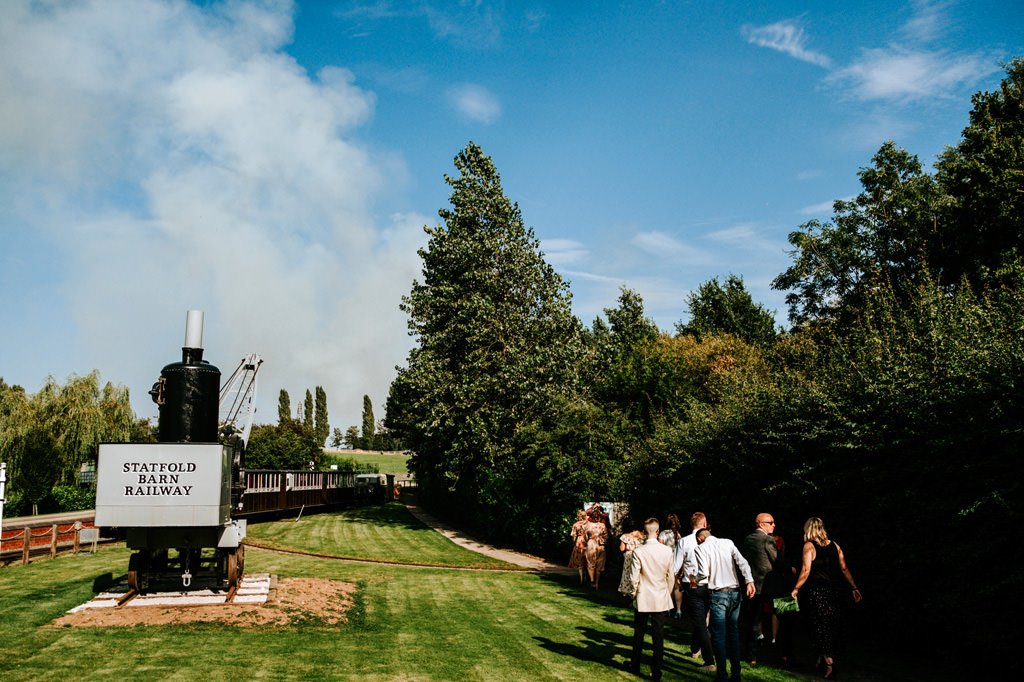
{"x":761,"y":552}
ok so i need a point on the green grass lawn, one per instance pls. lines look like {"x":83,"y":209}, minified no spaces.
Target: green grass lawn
{"x":408,"y":623}
{"x":386,"y":463}
{"x":379,"y":533}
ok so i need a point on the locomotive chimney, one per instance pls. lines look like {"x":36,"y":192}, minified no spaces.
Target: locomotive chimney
{"x":188,"y":392}
{"x":192,"y":352}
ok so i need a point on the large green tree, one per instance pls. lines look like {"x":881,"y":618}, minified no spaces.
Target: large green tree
{"x":907,"y":224}
{"x":351,"y":439}
{"x":46,"y":437}
{"x":617,"y":377}
{"x":289,"y":445}
{"x":885,"y":235}
{"x":495,"y":341}
{"x":717,"y":308}
{"x":983,"y":176}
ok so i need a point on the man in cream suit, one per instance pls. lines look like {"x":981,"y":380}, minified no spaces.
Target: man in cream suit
{"x":652,"y":578}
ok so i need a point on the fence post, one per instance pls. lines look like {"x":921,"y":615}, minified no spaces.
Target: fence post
{"x":24,"y":549}
{"x":53,"y":541}
{"x":78,"y":531}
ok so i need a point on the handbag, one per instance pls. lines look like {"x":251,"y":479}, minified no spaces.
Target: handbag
{"x":786,"y":605}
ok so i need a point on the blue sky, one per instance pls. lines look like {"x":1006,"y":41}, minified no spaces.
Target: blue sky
{"x":274,"y":163}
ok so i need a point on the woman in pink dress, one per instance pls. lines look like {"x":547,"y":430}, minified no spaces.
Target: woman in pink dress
{"x":596,"y":532}
{"x":578,"y":559}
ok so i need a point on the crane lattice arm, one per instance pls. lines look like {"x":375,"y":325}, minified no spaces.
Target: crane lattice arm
{"x":238,"y":398}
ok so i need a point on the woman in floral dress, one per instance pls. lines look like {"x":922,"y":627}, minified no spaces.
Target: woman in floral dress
{"x":578,"y":559}
{"x":596,"y":532}
{"x":627,"y":543}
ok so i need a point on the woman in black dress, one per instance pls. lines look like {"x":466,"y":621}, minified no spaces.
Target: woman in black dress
{"x":821,"y":575}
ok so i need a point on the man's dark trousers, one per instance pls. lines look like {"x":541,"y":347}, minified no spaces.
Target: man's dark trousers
{"x":658,"y":620}
{"x":750,"y":620}
{"x":698,"y":603}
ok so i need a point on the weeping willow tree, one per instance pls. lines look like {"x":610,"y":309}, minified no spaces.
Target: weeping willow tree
{"x":46,"y":437}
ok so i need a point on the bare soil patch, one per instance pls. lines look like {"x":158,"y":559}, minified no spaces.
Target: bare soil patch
{"x":291,"y":601}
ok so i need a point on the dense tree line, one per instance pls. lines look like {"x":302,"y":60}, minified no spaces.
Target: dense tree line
{"x":46,"y":437}
{"x":893,"y":407}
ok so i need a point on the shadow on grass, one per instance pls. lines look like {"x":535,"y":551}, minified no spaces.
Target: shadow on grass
{"x":103,"y":582}
{"x":614,"y":648}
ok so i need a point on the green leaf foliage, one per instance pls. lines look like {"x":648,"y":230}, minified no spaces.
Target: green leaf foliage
{"x":728,"y":309}
{"x":46,"y":437}
{"x":984,"y":178}
{"x":321,"y":424}
{"x":369,"y":424}
{"x":496,"y":343}
{"x":284,"y":407}
{"x":290,"y":445}
{"x":307,"y":412}
{"x":886,"y":233}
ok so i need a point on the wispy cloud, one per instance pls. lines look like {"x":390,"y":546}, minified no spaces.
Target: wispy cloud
{"x":468,"y":24}
{"x":904,"y":71}
{"x":560,"y":252}
{"x":907,"y":75}
{"x":593,"y":277}
{"x":745,"y":237}
{"x":785,"y":36}
{"x":821,"y":208}
{"x":809,"y":174}
{"x":475,"y":102}
{"x":927,"y":22}
{"x":666,"y":246}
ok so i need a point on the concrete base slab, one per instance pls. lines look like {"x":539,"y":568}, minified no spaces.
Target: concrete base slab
{"x":254,"y":589}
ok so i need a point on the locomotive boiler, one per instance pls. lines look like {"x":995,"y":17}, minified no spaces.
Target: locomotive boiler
{"x":175,"y":499}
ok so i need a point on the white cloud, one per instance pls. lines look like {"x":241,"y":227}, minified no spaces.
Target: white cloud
{"x":179,"y":159}
{"x":822,"y":208}
{"x":745,"y":237}
{"x":787,"y":37}
{"x":809,"y":174}
{"x":927,"y":22}
{"x":468,"y":24}
{"x":558,"y":252}
{"x":905,"y":75}
{"x":666,"y":246}
{"x":475,"y":102}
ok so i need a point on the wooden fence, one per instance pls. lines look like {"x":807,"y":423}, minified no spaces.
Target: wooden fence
{"x":40,"y":536}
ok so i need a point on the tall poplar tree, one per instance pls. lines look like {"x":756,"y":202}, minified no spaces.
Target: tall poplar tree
{"x":496,"y":342}
{"x":369,"y":424}
{"x":307,"y":411}
{"x":320,"y":424}
{"x":284,"y":407}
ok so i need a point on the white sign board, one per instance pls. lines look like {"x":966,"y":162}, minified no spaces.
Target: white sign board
{"x":163,"y":484}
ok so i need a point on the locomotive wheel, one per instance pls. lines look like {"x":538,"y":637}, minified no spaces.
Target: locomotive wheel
{"x":236,"y":566}
{"x":136,"y":571}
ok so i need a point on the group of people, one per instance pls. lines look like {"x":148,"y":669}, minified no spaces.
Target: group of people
{"x":728,"y":592}
{"x":590,"y":534}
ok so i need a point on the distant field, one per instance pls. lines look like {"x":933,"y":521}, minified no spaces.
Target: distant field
{"x":386,"y":462}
